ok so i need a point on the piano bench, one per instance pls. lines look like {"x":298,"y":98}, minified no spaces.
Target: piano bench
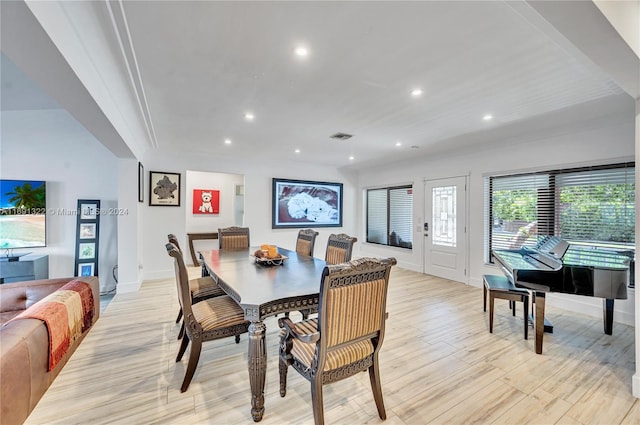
{"x":501,"y":287}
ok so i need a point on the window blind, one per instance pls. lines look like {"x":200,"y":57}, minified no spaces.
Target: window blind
{"x":592,"y":206}
{"x":390,"y":216}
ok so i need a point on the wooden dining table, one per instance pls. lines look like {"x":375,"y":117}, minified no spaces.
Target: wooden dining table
{"x":263,"y":291}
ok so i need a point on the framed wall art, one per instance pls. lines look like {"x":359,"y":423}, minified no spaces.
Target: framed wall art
{"x":87,"y":237}
{"x":140,"y":182}
{"x":164,"y":189}
{"x":302,"y":203}
{"x":206,"y":201}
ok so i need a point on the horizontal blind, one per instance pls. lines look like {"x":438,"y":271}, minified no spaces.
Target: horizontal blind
{"x":592,"y":206}
{"x":377,"y":216}
{"x":597,"y":205}
{"x":401,"y":216}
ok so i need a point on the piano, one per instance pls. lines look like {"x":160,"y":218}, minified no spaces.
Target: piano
{"x":555,"y":266}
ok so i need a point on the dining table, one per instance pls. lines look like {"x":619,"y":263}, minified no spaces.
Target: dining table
{"x":262,"y":289}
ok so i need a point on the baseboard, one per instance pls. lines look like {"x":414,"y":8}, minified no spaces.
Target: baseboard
{"x":124,"y":287}
{"x":635,"y":385}
{"x":159,"y":274}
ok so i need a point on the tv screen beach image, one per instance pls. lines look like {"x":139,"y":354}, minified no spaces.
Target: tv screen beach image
{"x":22,"y":214}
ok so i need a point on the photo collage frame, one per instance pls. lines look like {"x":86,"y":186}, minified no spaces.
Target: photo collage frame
{"x":87,"y":237}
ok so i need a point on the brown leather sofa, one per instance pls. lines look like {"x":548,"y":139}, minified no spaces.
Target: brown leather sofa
{"x":24,"y":346}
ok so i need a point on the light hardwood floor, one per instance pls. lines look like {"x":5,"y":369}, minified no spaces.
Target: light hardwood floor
{"x":439,"y":364}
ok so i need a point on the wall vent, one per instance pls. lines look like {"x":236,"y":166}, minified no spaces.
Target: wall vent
{"x":342,"y":136}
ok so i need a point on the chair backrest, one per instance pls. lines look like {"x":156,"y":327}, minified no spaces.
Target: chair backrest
{"x":352,"y":308}
{"x":234,"y":237}
{"x":339,"y":248}
{"x":306,"y":242}
{"x":174,"y":240}
{"x":182,"y":280}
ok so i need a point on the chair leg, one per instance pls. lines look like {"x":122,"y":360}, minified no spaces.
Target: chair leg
{"x":183,"y":347}
{"x":179,"y":316}
{"x":284,"y":368}
{"x":491,"y":302}
{"x":181,"y":333}
{"x":513,"y":307}
{"x":525,"y":301}
{"x":238,"y":339}
{"x":374,"y":377}
{"x":194,"y":356}
{"x":316,"y":399}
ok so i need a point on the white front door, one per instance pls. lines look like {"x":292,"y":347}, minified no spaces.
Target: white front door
{"x":445,"y":238}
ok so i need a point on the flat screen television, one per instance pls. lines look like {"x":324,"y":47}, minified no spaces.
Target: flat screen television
{"x":23,"y":207}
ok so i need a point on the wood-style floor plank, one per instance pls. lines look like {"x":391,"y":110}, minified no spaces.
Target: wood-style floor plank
{"x":439,"y":365}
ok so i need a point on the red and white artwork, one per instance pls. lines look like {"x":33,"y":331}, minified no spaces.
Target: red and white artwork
{"x":206,"y":201}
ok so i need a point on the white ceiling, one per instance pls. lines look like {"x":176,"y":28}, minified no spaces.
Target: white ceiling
{"x":199,"y":66}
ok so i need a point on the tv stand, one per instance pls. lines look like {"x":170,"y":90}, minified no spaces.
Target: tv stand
{"x":17,"y":268}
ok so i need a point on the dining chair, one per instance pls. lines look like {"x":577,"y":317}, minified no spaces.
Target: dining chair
{"x":233,"y":237}
{"x":306,"y":242}
{"x":346,"y":337}
{"x":207,"y":320}
{"x":339,"y":248}
{"x":201,"y":288}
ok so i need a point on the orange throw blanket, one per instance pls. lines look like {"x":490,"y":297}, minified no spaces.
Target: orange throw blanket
{"x":67,"y":313}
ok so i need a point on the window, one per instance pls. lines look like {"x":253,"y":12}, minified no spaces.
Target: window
{"x":390,"y":216}
{"x":592,"y":206}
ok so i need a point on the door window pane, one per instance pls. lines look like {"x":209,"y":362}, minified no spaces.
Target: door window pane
{"x":444,"y":216}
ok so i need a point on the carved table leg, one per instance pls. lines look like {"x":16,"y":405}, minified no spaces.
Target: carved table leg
{"x":257,"y":368}
{"x":539,"y":320}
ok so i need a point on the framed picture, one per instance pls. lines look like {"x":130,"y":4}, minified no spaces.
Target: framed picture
{"x":86,"y":269}
{"x":87,"y":230}
{"x":140,"y":182}
{"x":164,"y":189}
{"x":301,"y":203}
{"x":206,"y":201}
{"x":87,"y":251}
{"x":88,"y":211}
{"x":87,"y":237}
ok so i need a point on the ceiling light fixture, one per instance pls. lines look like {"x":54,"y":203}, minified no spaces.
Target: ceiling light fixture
{"x":227,"y":141}
{"x":351,"y":158}
{"x":301,"y":52}
{"x":416,"y":92}
{"x":297,"y":151}
{"x":398,"y":144}
{"x":249,"y":116}
{"x":487,"y":117}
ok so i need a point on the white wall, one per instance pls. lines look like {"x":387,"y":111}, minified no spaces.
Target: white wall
{"x":562,"y":148}
{"x":50,"y":145}
{"x":158,"y":221}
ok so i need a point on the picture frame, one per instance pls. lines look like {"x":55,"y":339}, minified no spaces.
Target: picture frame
{"x":306,"y":203}
{"x":86,"y":269}
{"x":206,"y":201}
{"x":87,"y":251}
{"x":88,"y":211}
{"x":87,"y":231}
{"x":87,"y":237}
{"x":164,"y":189}
{"x":140,"y":182}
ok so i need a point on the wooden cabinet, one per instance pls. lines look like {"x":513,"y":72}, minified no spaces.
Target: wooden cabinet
{"x":28,"y":267}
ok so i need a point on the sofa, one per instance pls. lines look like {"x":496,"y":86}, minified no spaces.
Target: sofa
{"x":25,"y":356}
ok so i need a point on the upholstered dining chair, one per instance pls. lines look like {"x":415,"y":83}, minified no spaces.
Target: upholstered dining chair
{"x":233,"y":237}
{"x":306,"y":242}
{"x":201,"y":288}
{"x":346,"y":337}
{"x":210,"y":319}
{"x":339,"y":248}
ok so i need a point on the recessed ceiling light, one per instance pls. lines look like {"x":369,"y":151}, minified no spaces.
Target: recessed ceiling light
{"x":416,"y":92}
{"x":227,"y":141}
{"x":249,"y":116}
{"x":398,"y":144}
{"x":301,"y":52}
{"x":487,"y":117}
{"x":351,"y":158}
{"x":297,"y":151}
